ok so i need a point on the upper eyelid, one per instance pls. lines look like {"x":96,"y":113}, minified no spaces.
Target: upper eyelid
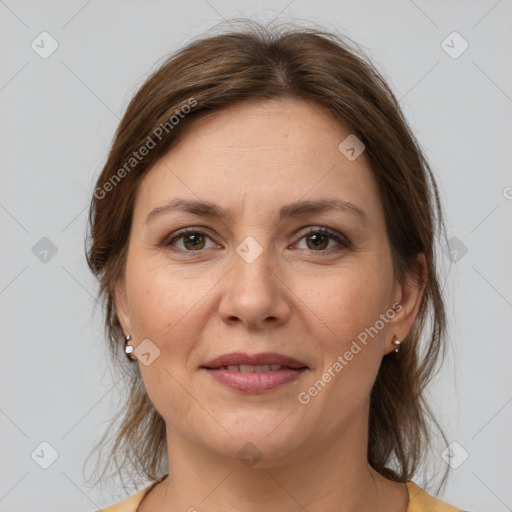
{"x":333,"y":234}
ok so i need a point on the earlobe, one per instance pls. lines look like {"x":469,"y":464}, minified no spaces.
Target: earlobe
{"x":410,"y":297}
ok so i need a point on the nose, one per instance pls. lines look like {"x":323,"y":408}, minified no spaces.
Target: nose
{"x":254,"y":293}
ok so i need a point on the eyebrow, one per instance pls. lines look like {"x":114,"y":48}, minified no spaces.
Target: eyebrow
{"x":297,"y":209}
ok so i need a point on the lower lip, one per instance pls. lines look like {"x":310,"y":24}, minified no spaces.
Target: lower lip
{"x":255,"y":382}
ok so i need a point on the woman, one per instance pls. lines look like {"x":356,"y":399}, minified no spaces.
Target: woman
{"x":263,"y":232}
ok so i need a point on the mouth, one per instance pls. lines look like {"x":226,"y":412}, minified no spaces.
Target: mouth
{"x":254,"y":373}
{"x":247,"y":368}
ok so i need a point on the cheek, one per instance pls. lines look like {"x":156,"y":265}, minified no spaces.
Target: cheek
{"x":351,"y":335}
{"x":161,"y":298}
{"x":166,"y":310}
{"x":346,"y":302}
{"x":346,"y":306}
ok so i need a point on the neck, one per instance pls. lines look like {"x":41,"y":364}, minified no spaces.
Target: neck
{"x":331,"y":474}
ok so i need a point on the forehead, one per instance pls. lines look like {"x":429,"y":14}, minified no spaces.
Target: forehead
{"x":262,"y":154}
{"x":258,"y":126}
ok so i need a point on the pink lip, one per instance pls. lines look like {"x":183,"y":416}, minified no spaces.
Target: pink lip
{"x":254,"y":382}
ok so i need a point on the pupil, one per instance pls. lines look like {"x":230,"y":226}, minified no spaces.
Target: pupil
{"x":316,"y":239}
{"x":195,"y":240}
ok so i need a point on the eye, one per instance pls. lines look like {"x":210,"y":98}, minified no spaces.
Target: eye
{"x":193,"y":240}
{"x":318,"y":239}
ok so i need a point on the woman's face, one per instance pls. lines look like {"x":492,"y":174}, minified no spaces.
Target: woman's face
{"x":262,"y":279}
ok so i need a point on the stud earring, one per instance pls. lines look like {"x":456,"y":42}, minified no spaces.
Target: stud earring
{"x":128,"y":349}
{"x":396,"y":342}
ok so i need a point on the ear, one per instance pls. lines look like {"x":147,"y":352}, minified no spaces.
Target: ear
{"x":409,"y":296}
{"x":121,"y":306}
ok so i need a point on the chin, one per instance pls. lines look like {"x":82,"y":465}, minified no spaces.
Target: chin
{"x":257,"y":439}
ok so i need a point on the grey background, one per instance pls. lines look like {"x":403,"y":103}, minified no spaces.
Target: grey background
{"x":58,"y":116}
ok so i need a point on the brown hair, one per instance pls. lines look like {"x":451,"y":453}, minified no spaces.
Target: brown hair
{"x":260,"y":63}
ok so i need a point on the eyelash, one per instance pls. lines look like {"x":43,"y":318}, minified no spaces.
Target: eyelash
{"x":340,"y":239}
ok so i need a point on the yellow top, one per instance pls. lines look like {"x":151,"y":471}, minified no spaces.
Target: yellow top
{"x":419,"y":501}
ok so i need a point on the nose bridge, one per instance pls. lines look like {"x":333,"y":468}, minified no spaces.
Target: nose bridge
{"x":254,"y":292}
{"x":252,"y":265}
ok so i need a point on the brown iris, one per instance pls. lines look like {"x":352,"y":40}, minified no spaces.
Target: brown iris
{"x":197,"y":241}
{"x":315,"y":238}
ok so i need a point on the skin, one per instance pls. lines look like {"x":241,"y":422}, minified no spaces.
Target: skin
{"x":295,"y":299}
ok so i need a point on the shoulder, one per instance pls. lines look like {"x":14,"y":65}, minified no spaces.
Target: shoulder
{"x":129,"y":504}
{"x":421,"y":501}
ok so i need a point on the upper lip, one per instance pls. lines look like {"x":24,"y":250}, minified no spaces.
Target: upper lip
{"x":253,"y":359}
